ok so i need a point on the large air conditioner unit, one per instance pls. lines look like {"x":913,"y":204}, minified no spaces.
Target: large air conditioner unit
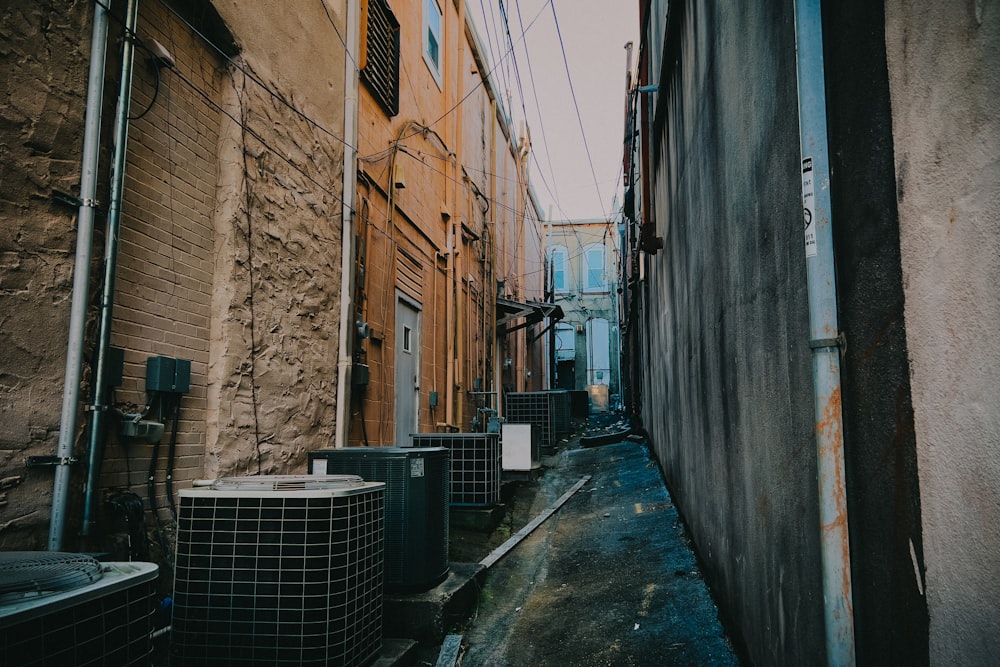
{"x":416,"y":506}
{"x":520,"y":447}
{"x":475,"y":465}
{"x":279,"y":570}
{"x":535,"y":408}
{"x":562,"y":408}
{"x":70,"y":609}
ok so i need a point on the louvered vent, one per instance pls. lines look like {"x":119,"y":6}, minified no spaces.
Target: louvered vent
{"x":416,"y":506}
{"x":278,"y":570}
{"x":381,"y":66}
{"x":475,"y":465}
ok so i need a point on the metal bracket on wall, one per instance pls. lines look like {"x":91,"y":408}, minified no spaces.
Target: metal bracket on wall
{"x":840,"y":342}
{"x":41,"y":461}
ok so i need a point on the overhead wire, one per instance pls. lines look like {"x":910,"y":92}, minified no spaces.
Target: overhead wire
{"x":235,"y":63}
{"x":483,"y":79}
{"x":576,"y":105}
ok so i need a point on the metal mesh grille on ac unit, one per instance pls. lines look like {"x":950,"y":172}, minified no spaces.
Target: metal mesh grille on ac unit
{"x":475,"y":465}
{"x":416,"y":506}
{"x":535,"y":408}
{"x":290,"y":577}
{"x":105,"y":621}
{"x":562,"y":407}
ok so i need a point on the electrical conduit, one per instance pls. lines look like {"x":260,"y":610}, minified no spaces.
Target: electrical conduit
{"x":81,"y":275}
{"x":824,"y":335}
{"x":99,"y":410}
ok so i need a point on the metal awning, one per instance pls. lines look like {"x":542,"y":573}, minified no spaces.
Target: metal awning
{"x":533,"y":312}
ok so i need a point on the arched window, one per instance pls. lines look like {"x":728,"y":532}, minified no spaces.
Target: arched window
{"x":559,"y":257}
{"x":594,"y":277}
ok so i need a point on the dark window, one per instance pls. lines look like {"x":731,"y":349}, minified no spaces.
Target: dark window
{"x":381,"y":64}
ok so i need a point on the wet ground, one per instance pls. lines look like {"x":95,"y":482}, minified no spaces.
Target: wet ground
{"x":609,"y":579}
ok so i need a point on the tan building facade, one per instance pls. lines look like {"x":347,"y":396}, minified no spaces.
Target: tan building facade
{"x":446,"y":225}
{"x":318,"y":259}
{"x":583,"y":259}
{"x":227,"y":256}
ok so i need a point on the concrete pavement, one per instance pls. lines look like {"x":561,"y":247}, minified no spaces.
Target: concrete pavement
{"x":609,"y":579}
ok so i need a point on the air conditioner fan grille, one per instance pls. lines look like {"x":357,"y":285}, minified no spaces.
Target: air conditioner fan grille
{"x":37,"y":572}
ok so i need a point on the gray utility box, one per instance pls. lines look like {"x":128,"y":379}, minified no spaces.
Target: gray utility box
{"x":416,"y":506}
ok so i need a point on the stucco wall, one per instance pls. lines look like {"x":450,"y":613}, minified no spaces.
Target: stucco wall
{"x":44,"y":57}
{"x":230,"y":247}
{"x":944,"y":69}
{"x":276,"y":305}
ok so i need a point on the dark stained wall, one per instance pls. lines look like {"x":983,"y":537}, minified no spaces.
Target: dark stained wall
{"x":883,"y":503}
{"x":727,"y":397}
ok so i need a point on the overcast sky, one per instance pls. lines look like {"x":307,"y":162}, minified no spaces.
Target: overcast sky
{"x":594,"y":33}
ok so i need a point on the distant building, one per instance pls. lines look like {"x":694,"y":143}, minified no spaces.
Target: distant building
{"x":583,"y":258}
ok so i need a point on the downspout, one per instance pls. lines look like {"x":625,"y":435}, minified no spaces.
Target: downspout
{"x":345,"y":358}
{"x":461,"y":273}
{"x":824,"y":335}
{"x":99,"y":409}
{"x":449,"y":320}
{"x":81,"y":274}
{"x":494,"y":334}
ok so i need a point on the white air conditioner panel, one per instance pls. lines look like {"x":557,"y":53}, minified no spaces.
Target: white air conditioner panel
{"x":516,"y":447}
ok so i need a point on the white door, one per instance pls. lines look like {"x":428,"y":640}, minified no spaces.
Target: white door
{"x":407,"y":370}
{"x":598,"y":351}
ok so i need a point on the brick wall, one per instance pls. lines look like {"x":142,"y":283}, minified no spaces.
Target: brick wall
{"x":166,"y":264}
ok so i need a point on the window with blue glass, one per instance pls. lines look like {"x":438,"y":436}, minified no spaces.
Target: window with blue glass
{"x":432,"y":38}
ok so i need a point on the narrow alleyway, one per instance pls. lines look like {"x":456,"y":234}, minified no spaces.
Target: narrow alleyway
{"x":610,"y":579}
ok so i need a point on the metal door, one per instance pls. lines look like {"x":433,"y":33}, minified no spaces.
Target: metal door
{"x":407,"y":369}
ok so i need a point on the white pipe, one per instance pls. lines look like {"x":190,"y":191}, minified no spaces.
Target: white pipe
{"x":824,"y":333}
{"x":346,"y":359}
{"x":81,"y":274}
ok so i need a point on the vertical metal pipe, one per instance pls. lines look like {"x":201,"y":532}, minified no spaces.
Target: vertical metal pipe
{"x":347,"y":257}
{"x":81,"y":274}
{"x":824,"y":335}
{"x":95,"y":453}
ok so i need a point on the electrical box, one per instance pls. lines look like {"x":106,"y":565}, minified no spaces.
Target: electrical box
{"x":113,"y":367}
{"x":169,"y":375}
{"x":149,"y":431}
{"x":359,"y":375}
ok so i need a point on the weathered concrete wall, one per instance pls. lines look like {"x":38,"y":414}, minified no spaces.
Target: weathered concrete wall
{"x":726,"y":312}
{"x":944,"y":70}
{"x":44,"y":53}
{"x":727,"y":395}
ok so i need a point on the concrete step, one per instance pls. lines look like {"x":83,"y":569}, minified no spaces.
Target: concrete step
{"x":427,"y":616}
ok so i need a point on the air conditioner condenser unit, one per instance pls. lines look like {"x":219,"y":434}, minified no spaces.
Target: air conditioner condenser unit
{"x":416,"y":506}
{"x":70,"y":609}
{"x":279,"y":569}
